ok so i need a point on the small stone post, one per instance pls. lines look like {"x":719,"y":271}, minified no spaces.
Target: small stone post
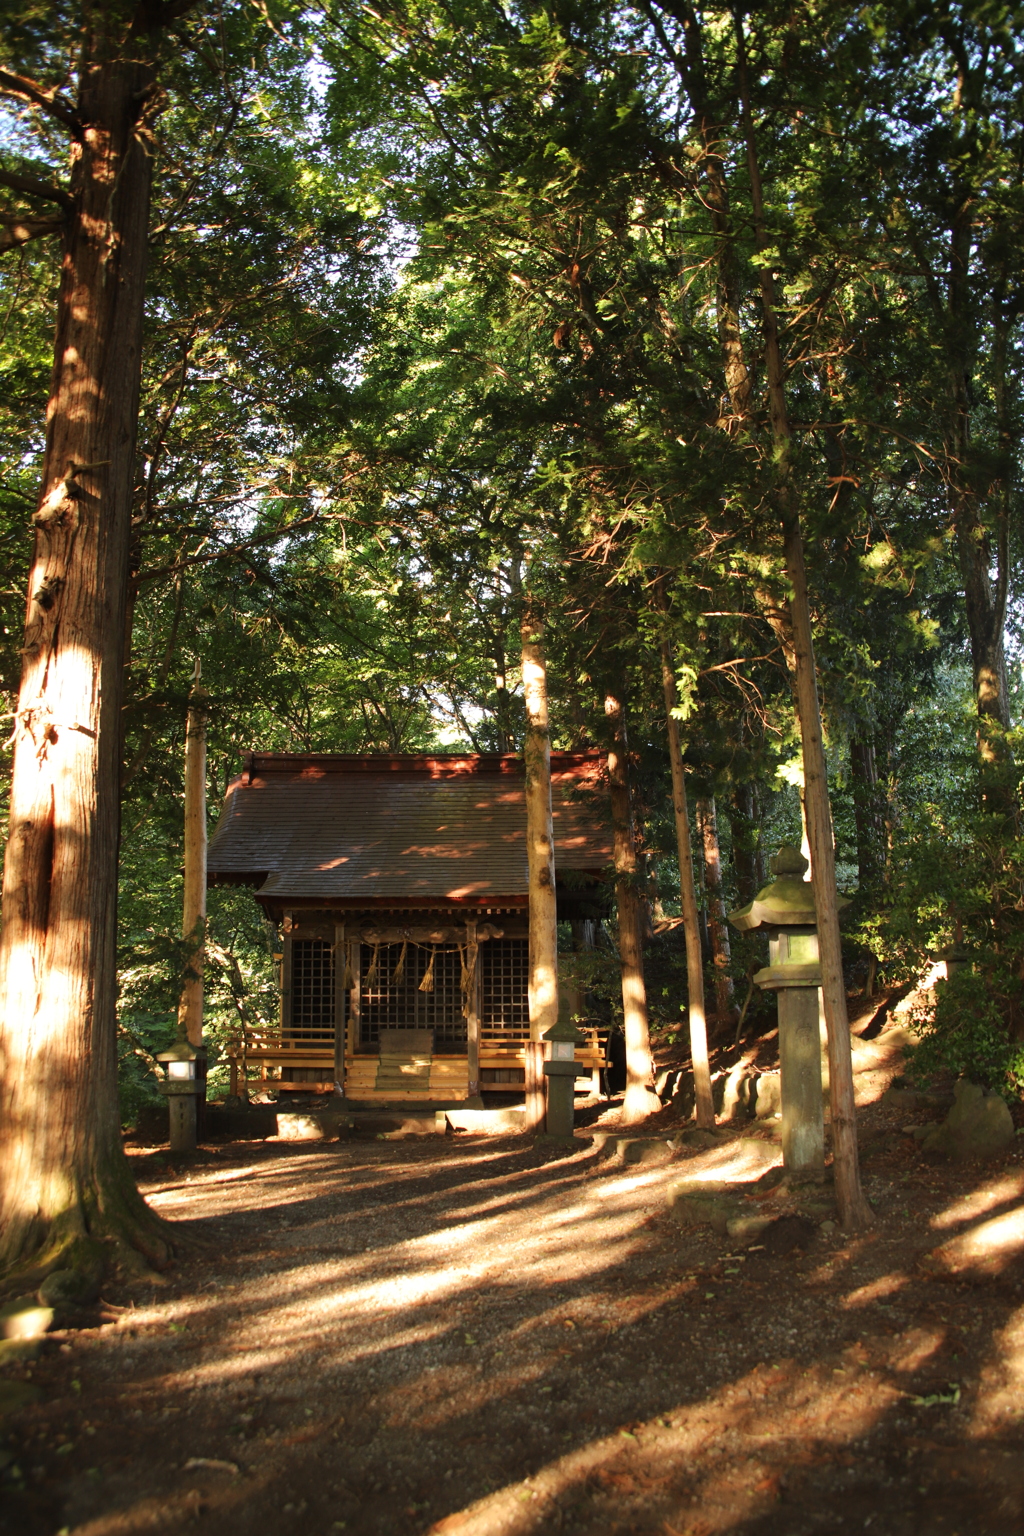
{"x":785,"y":911}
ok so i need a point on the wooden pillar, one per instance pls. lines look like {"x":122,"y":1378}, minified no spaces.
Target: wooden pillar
{"x":286,"y":978}
{"x":340,"y":1010}
{"x":472,"y":1010}
{"x":193,"y":922}
{"x":540,"y":848}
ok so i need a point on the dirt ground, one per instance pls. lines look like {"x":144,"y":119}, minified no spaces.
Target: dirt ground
{"x":481,"y":1336}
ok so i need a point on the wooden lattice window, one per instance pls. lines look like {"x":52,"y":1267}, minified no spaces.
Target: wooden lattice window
{"x":312,"y":994}
{"x":504,"y":1002}
{"x":383,"y":1005}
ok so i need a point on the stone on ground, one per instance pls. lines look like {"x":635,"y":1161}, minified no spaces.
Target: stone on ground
{"x":978,"y":1125}
{"x":788,"y":1234}
{"x":67,"y":1288}
{"x":746,"y":1229}
{"x":768,"y":1096}
{"x":704,"y":1208}
{"x":643,"y":1149}
{"x":700,"y":1139}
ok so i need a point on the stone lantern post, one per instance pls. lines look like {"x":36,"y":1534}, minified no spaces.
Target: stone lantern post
{"x":785,"y":912}
{"x":561,"y":1071}
{"x":180,"y":1088}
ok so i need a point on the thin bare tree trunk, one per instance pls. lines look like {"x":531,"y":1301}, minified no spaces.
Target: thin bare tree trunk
{"x":540,"y":848}
{"x":867,"y":813}
{"x":688,"y":900}
{"x":721,"y":953}
{"x":193,"y":921}
{"x":746,"y":852}
{"x":640,"y":1099}
{"x":854,"y":1211}
{"x":981,"y":556}
{"x":67,"y":1195}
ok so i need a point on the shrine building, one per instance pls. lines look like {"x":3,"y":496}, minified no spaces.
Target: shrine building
{"x":398,"y":885}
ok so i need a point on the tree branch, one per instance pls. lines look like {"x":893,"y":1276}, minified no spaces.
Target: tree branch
{"x":233,"y":549}
{"x":55,"y":105}
{"x":16,"y":230}
{"x":34,"y":187}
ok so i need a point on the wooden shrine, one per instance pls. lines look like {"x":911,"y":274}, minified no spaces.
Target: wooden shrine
{"x":398,"y":887}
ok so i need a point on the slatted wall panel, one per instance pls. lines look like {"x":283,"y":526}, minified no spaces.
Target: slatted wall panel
{"x":504,"y":1001}
{"x":312,"y":994}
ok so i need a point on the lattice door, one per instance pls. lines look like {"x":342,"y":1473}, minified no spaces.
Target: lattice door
{"x":383,"y":1005}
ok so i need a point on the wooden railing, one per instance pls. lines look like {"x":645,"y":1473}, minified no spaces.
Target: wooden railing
{"x":448,"y":1074}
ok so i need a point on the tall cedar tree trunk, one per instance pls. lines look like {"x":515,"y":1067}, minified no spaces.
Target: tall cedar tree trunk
{"x":721,"y":954}
{"x":193,"y":918}
{"x":688,"y":901}
{"x":540,"y":850}
{"x":794,"y":629}
{"x":66,"y":1192}
{"x":640,"y":1099}
{"x":854,"y":1211}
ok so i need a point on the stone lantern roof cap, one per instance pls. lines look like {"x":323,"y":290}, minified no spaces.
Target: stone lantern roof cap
{"x":564,"y":1030}
{"x":181,"y":1050}
{"x":788,"y":902}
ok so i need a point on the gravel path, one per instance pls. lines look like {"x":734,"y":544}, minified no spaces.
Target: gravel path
{"x":477,"y":1336}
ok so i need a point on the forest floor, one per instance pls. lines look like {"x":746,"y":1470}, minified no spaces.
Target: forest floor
{"x":484,"y":1336}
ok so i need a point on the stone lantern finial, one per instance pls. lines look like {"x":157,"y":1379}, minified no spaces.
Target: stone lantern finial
{"x":788,"y":861}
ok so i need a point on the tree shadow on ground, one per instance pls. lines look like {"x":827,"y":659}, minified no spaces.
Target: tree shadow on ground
{"x":480,"y":1338}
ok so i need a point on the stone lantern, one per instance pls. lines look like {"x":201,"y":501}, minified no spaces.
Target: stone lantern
{"x":561,"y":1070}
{"x":180,"y":1088}
{"x":785,"y":912}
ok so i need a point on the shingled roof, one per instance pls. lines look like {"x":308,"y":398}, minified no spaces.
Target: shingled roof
{"x":348,"y":831}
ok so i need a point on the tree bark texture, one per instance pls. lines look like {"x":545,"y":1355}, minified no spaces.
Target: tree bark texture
{"x":193,"y":920}
{"x":640,"y":1099}
{"x":688,"y":900}
{"x":65,"y":1184}
{"x":854,"y":1211}
{"x":540,"y":838}
{"x":718,"y":932}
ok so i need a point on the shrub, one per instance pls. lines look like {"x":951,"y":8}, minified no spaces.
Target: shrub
{"x":966,"y":1033}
